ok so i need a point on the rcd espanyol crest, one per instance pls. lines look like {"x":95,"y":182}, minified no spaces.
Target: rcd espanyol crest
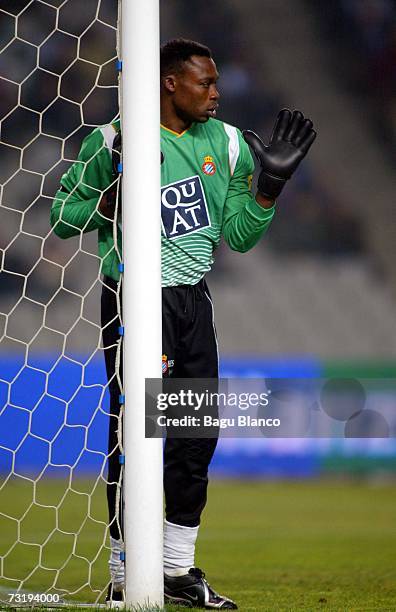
{"x":209,"y":167}
{"x":183,"y":208}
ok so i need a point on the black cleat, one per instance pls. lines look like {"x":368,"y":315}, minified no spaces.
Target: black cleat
{"x":193,"y":591}
{"x":114,"y":599}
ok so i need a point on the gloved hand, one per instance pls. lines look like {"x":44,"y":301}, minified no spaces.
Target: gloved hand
{"x":111,"y":198}
{"x":290,"y":141}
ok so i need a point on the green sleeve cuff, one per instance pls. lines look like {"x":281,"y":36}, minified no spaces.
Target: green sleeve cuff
{"x":100,"y":219}
{"x":258,"y":212}
{"x":96,"y":218}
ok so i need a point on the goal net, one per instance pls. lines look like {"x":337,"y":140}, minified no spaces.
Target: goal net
{"x":58,"y":81}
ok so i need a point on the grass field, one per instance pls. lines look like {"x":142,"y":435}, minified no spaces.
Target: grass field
{"x":270,"y":546}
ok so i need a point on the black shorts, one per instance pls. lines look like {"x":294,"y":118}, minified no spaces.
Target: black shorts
{"x":189,"y":350}
{"x":188,"y":332}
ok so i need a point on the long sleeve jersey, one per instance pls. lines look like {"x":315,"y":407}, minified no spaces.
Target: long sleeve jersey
{"x":206,"y":193}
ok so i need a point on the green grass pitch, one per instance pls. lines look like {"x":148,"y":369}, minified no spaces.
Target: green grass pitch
{"x":284,"y":546}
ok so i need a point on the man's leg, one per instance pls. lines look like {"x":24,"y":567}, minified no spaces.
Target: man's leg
{"x":189,"y":336}
{"x":110,"y":324}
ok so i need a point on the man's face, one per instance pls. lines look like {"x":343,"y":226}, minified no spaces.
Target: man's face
{"x":195,"y":95}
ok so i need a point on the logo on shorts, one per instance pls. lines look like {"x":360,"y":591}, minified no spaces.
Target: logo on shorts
{"x":183,"y":208}
{"x":167,"y":363}
{"x":209,"y":167}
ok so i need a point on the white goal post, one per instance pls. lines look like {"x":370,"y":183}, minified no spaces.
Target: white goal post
{"x":142,"y":296}
{"x":58,"y":82}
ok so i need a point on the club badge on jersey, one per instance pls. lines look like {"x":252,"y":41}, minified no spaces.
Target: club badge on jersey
{"x":183,"y":208}
{"x":209,"y":167}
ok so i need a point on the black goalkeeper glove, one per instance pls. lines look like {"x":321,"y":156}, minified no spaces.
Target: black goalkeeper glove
{"x":290,"y":141}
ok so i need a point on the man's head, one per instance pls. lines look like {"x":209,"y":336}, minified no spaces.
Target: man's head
{"x":188,"y":80}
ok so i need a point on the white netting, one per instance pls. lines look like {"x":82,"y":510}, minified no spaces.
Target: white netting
{"x":58,"y":80}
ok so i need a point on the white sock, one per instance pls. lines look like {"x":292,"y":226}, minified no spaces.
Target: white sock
{"x":116,"y":565}
{"x":179,"y":548}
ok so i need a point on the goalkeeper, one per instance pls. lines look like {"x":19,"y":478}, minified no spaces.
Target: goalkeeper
{"x":206,"y":170}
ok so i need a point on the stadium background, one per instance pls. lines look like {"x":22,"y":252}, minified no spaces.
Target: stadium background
{"x":317,"y":296}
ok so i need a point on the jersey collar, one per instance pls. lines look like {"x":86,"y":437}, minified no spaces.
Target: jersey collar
{"x":176,"y":133}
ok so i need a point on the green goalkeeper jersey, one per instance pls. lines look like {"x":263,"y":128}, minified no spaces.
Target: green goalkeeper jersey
{"x":206,"y":193}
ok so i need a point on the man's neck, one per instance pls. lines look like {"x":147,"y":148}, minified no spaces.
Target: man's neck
{"x":173,"y":122}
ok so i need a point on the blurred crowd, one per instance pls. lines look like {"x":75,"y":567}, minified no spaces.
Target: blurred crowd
{"x":58,"y":80}
{"x":364,"y":32}
{"x":314,"y":222}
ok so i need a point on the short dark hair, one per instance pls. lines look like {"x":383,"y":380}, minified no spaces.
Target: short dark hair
{"x":179,"y":50}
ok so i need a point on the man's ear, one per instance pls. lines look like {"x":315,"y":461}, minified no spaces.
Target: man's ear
{"x":170,"y":83}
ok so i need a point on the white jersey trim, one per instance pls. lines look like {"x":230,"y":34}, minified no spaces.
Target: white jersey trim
{"x":109,"y":133}
{"x":233,"y":146}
